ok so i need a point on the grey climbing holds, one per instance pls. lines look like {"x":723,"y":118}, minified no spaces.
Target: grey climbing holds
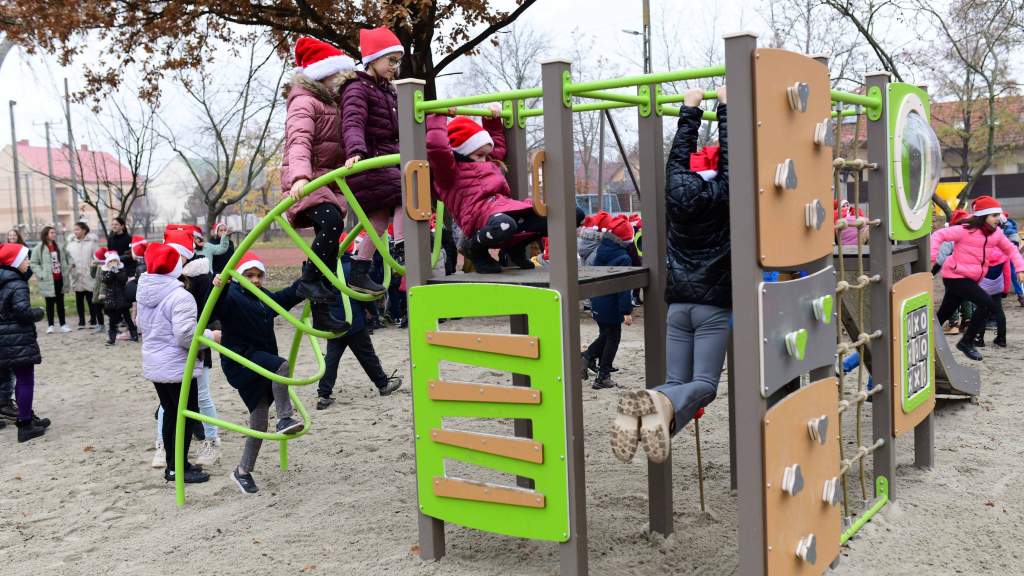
{"x":785,"y":175}
{"x":792,"y":480}
{"x":806,"y":550}
{"x":818,"y":429}
{"x":814,"y":215}
{"x":830,"y":492}
{"x":798,"y":95}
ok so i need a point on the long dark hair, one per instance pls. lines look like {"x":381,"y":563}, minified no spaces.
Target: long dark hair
{"x":44,"y":235}
{"x":21,"y":239}
{"x":976,"y":223}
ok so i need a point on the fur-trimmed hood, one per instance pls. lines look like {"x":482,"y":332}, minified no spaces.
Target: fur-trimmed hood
{"x":328,"y":94}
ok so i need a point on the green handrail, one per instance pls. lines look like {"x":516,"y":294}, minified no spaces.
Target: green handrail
{"x":656,"y":78}
{"x":708,"y":115}
{"x":676,"y":98}
{"x":881,"y":499}
{"x":199,"y":339}
{"x":873,"y":103}
{"x":849,"y":112}
{"x":614,"y":97}
{"x":432,"y":105}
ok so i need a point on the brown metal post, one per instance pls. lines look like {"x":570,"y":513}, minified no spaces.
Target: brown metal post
{"x":652,"y":208}
{"x":413,"y":146}
{"x":750,"y":407}
{"x":559,"y":185}
{"x":881,"y":263}
{"x":924,"y":433}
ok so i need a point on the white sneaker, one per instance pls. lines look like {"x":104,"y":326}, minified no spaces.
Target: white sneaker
{"x":64,"y":329}
{"x":49,"y":329}
{"x":209,"y":452}
{"x":159,"y":458}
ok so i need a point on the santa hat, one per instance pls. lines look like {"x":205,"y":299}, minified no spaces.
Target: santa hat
{"x":250,"y":260}
{"x":959,"y":216}
{"x":985,"y":205}
{"x":192,"y":229}
{"x":12,"y":254}
{"x":163,"y":260}
{"x":100,"y":255}
{"x":378,"y":42}
{"x":466,"y":136}
{"x":705,"y":162}
{"x":181,"y":241}
{"x":318,"y":60}
{"x":138,"y":246}
{"x":111,"y":256}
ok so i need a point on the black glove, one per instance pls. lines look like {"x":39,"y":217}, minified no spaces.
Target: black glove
{"x":37,"y":314}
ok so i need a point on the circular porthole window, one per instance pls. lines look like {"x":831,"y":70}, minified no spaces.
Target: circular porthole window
{"x":917,"y":162}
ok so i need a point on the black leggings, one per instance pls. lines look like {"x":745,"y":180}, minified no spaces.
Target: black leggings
{"x":1000,"y":316}
{"x":83,"y":298}
{"x":58,"y":301}
{"x":957,"y":291}
{"x":327,"y":222}
{"x":500,"y":227}
{"x":362,"y":348}
{"x":606,"y":346}
{"x":168,"y":393}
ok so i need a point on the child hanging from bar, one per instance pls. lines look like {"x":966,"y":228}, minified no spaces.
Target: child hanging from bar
{"x":699,"y":291}
{"x":469,"y":177}
{"x":358,"y":340}
{"x":313,"y":148}
{"x":369,"y":118}
{"x":247,"y":328}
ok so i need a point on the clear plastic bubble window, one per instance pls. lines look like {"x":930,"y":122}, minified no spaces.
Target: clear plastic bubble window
{"x":918,"y":164}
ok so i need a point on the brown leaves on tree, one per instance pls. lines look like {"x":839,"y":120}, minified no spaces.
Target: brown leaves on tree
{"x":162,"y":37}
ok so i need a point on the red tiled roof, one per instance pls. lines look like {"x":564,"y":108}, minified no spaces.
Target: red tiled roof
{"x":91,"y":166}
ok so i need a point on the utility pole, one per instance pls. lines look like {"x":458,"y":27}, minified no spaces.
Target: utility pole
{"x":72,"y":155}
{"x":14,"y":155}
{"x":49,"y":174}
{"x":647,"y":36}
{"x":28,"y":196}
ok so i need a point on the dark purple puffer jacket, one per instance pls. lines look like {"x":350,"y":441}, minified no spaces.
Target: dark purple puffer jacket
{"x":369,"y":127}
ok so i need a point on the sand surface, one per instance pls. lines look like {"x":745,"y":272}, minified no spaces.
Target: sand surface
{"x":84,"y":500}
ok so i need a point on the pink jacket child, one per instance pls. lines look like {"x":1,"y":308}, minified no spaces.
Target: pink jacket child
{"x":313,"y":148}
{"x":977,"y":243}
{"x":167,"y":318}
{"x":468,"y":177}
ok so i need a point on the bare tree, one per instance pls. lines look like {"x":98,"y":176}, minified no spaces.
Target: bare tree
{"x":809,"y":26}
{"x":976,"y":42}
{"x":586,"y":125}
{"x":237,"y":132}
{"x":866,"y":16}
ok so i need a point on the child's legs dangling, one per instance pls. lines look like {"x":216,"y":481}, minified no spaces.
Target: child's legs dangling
{"x":328,"y":225}
{"x":257,"y":421}
{"x":379,"y":220}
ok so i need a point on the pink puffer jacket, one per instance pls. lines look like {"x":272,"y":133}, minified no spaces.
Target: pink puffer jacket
{"x":471,"y":191}
{"x":971,"y":251}
{"x":312,"y":145}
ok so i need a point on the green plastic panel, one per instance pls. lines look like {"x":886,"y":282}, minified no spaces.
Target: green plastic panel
{"x":899,"y":229}
{"x":917,"y":383}
{"x":543,"y":309}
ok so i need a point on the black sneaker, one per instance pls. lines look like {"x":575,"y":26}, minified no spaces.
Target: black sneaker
{"x":244,"y":482}
{"x":193,"y":475}
{"x":603,"y":381}
{"x":969,"y":351}
{"x":517,"y":255}
{"x":323,"y":402}
{"x":979,"y":343}
{"x":289,"y":426}
{"x":42,"y":422}
{"x":28,"y":430}
{"x":585,"y":369}
{"x":1001,"y":342}
{"x":8,"y":410}
{"x":393,"y":383}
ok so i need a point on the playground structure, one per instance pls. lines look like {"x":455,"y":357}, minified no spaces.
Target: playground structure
{"x":785,"y":406}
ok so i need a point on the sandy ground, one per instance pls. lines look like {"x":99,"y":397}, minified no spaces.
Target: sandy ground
{"x":84,"y":500}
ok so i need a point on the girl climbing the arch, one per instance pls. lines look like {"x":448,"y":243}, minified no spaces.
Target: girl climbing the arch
{"x":247,"y":327}
{"x":699,"y":291}
{"x":968,"y":265}
{"x":469,"y":177}
{"x":312,"y":148}
{"x":369,"y":128}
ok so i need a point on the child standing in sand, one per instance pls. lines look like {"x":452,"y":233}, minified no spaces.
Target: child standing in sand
{"x":115,"y":299}
{"x":19,"y":348}
{"x":248,"y":330}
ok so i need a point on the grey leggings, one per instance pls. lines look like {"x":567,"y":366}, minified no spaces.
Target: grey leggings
{"x":697,"y":339}
{"x":258,"y":419}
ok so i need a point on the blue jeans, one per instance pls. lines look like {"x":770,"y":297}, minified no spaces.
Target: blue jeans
{"x":698,"y":336}
{"x":206,"y":407}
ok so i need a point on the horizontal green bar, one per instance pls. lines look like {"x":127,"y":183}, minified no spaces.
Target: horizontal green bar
{"x":848,"y":112}
{"x":428,"y":105}
{"x":592,"y":106}
{"x":859,"y":99}
{"x":484,"y":112}
{"x":283,"y":223}
{"x":614,"y":97}
{"x":325,"y":180}
{"x":249,"y":364}
{"x":532,"y":113}
{"x":881,"y":499}
{"x":674,"y":111}
{"x":656,"y":78}
{"x":244,"y":430}
{"x":674,"y":98}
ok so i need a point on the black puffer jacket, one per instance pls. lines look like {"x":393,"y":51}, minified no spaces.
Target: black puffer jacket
{"x":699,"y":263}
{"x":18,"y":346}
{"x":115,"y":297}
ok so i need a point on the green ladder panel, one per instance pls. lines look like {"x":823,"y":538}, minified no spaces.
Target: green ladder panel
{"x":543,"y":512}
